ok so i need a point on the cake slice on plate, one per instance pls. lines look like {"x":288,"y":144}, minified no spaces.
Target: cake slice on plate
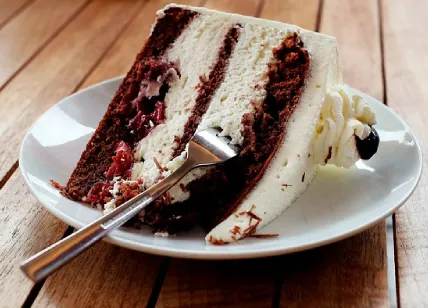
{"x":274,"y":89}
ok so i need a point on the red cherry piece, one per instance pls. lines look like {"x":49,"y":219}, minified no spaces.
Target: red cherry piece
{"x":99,"y":191}
{"x":122,"y":161}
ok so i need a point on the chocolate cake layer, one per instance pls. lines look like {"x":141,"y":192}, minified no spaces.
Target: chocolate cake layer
{"x":216,"y":195}
{"x":96,"y":160}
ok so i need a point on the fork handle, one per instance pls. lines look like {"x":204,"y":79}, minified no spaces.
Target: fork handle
{"x":47,"y":261}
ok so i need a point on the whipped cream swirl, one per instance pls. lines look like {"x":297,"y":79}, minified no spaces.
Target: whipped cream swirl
{"x":345,"y":116}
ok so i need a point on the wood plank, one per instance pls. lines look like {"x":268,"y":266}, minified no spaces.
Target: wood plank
{"x":104,"y":276}
{"x":355,"y":24}
{"x":120,"y":57}
{"x":406,"y":67}
{"x":247,"y":7}
{"x":221,"y":284}
{"x":26,"y":228}
{"x":351,"y":273}
{"x":298,"y":12}
{"x":25,"y":35}
{"x":241,"y":283}
{"x":10,"y":8}
{"x":58,"y":70}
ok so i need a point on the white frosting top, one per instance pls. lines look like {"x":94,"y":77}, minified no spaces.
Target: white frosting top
{"x":343,"y":116}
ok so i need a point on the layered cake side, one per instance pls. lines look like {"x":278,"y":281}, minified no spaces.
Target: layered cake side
{"x":265,"y":84}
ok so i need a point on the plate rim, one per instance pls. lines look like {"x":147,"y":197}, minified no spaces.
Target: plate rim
{"x":221,"y":254}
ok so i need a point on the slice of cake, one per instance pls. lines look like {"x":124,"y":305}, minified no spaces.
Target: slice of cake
{"x":275,"y":89}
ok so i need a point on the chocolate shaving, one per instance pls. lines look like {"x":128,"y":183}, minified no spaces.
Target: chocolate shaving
{"x":158,"y":165}
{"x":236,"y":230}
{"x":215,"y":241}
{"x":234,"y":239}
{"x":251,"y":229}
{"x":183,"y":187}
{"x":328,"y":155}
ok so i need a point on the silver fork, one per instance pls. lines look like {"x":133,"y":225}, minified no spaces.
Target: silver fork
{"x":204,"y":149}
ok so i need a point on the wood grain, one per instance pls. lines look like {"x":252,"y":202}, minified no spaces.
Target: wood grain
{"x":355,"y":24}
{"x":244,"y":7}
{"x":26,"y":228}
{"x":104,"y":276}
{"x":351,"y":273}
{"x":406,"y":67}
{"x":58,"y":70}
{"x":22,"y":37}
{"x":10,"y":8}
{"x":120,"y":57}
{"x":299,"y":12}
{"x":242,"y":283}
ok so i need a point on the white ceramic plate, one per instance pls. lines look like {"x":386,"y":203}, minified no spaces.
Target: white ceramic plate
{"x":338,"y":203}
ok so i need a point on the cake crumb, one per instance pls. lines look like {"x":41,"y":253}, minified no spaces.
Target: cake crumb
{"x":162,"y":234}
{"x":57,"y":185}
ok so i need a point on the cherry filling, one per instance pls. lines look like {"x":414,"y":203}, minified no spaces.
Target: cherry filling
{"x":142,"y":124}
{"x":142,"y":108}
{"x":147,"y":109}
{"x":99,"y":192}
{"x":122,"y":161}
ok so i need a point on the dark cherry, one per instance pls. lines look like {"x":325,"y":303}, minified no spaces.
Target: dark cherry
{"x":140,"y":124}
{"x":98,"y":192}
{"x":368,"y":147}
{"x":122,"y":161}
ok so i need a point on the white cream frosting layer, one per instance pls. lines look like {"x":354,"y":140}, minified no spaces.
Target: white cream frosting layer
{"x":238,"y":93}
{"x":180,"y":100}
{"x":344,"y":115}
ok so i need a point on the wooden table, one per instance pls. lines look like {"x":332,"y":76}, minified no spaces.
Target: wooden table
{"x":50,"y":49}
